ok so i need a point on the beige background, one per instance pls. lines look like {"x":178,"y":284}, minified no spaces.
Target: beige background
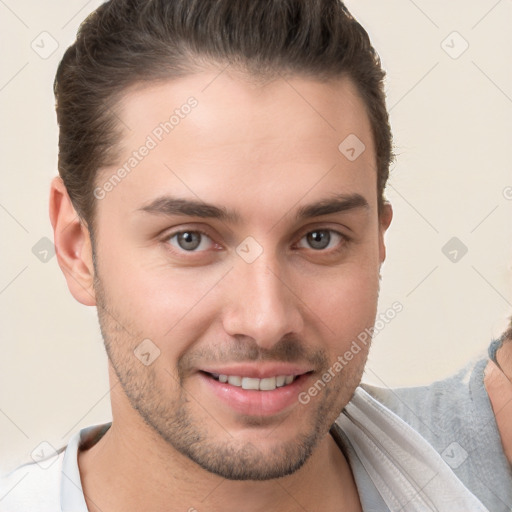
{"x":452,"y":121}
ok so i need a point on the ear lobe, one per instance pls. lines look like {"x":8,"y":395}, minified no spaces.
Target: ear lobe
{"x":385,"y":218}
{"x":72,"y":244}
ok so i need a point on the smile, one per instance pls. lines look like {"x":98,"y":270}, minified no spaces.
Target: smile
{"x":256,"y":390}
{"x":251,"y":383}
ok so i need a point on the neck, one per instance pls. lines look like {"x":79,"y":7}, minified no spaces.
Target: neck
{"x":131,"y":468}
{"x":498,"y":383}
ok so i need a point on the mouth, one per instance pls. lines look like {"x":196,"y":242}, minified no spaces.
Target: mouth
{"x":252,"y":391}
{"x":254,"y":383}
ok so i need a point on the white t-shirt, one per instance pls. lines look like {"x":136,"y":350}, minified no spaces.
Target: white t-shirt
{"x":395,"y":469}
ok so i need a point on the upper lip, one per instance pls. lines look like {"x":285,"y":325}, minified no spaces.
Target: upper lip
{"x":260,"y":371}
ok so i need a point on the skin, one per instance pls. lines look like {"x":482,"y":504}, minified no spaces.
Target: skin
{"x":174,"y":444}
{"x":498,"y":383}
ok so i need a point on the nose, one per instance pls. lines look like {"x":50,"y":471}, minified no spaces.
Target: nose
{"x":261,"y":304}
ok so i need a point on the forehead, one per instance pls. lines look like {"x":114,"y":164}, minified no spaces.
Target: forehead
{"x":268,"y":110}
{"x":215,"y":132}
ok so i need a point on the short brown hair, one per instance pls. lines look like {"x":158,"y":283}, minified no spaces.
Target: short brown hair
{"x":125,"y":42}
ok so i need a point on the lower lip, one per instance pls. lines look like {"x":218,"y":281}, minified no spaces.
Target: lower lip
{"x":256,"y":403}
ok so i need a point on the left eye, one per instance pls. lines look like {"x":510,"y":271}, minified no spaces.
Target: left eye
{"x":321,"y":239}
{"x":191,"y":241}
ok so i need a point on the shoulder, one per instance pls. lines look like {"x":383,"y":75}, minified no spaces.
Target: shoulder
{"x":33,"y":486}
{"x":441,"y":405}
{"x":456,"y":418}
{"x":53,"y":482}
{"x":398,"y":460}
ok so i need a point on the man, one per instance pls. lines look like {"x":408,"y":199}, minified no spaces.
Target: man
{"x":468,"y":419}
{"x":220,"y":200}
{"x":498,"y":383}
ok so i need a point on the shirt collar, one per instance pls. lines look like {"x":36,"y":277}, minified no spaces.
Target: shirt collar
{"x":71,"y":492}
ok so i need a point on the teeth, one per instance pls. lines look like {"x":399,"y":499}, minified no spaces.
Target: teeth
{"x":266,"y":384}
{"x":235,"y":381}
{"x":248,"y":383}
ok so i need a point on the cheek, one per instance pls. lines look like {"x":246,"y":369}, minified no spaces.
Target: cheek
{"x":345,"y":300}
{"x":155,"y":300}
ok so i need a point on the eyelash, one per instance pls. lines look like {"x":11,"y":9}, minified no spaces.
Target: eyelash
{"x":341,"y":246}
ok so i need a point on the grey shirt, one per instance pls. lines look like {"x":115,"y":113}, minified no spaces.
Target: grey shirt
{"x":455,"y":416}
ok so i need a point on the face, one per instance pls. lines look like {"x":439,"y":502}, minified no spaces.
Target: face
{"x":235,"y":260}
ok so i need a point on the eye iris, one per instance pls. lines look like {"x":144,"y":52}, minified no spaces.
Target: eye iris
{"x":319,"y":239}
{"x":189,"y":240}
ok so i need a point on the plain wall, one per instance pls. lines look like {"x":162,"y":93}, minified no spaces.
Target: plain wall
{"x":452,"y":123}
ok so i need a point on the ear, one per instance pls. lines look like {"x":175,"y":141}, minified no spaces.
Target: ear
{"x":72,"y":244}
{"x":385,"y":218}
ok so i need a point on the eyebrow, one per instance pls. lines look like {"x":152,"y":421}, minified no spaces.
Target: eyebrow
{"x":337,"y":204}
{"x":168,"y":205}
